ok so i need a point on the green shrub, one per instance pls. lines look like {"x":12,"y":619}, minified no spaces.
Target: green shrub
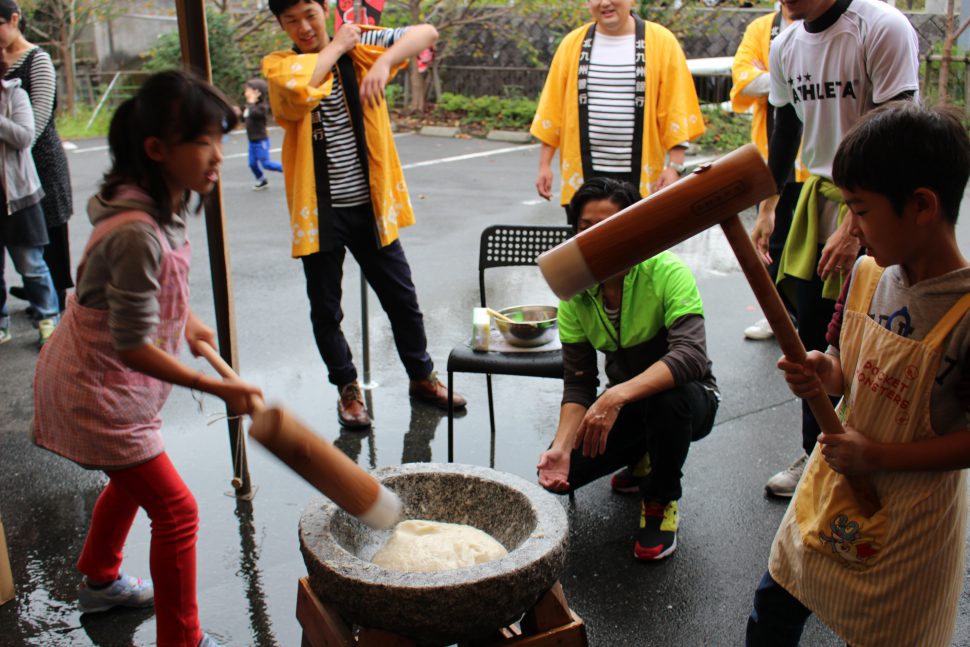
{"x":488,"y":111}
{"x":393,"y":93}
{"x":956,"y":85}
{"x":228,"y":66}
{"x":74,"y":126}
{"x":726,"y":130}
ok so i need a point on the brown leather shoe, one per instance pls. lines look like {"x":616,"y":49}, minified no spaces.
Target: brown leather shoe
{"x":432,"y":391}
{"x":351,"y":411}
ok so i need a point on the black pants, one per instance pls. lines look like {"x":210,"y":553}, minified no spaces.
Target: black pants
{"x":814,"y":314}
{"x":784,"y":213}
{"x":388,"y":273}
{"x":663,"y":425}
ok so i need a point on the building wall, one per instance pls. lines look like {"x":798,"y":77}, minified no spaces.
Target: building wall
{"x":120,"y":41}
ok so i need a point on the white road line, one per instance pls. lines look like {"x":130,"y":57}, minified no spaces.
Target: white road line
{"x":89,"y":150}
{"x":461,"y":158}
{"x":94,"y":149}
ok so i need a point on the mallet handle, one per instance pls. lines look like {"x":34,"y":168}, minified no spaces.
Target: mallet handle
{"x":774,"y":310}
{"x":320,"y":463}
{"x":222,"y":367}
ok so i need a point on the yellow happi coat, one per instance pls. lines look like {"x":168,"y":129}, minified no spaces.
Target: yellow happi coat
{"x":671,"y":114}
{"x":293,"y":100}
{"x":754,"y":47}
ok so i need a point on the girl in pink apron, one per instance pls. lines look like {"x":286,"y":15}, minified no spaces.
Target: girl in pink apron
{"x":103,"y":377}
{"x":891,"y":578}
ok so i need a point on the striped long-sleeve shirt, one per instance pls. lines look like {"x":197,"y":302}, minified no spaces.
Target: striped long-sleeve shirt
{"x":348,"y":184}
{"x":43,"y":88}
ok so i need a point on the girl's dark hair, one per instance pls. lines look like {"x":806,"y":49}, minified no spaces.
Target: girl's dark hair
{"x":622,"y":194}
{"x":902,"y":146}
{"x":260,"y":85}
{"x":8,"y":8}
{"x":174,"y":106}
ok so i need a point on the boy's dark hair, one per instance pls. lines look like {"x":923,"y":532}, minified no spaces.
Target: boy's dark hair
{"x":279,"y":6}
{"x":902,"y":146}
{"x":260,"y":85}
{"x":171,"y":105}
{"x":622,"y":194}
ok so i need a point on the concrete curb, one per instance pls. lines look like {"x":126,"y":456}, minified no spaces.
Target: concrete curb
{"x":511,"y":136}
{"x":438,"y":131}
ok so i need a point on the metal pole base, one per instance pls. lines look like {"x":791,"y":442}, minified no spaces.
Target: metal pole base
{"x":242,"y":496}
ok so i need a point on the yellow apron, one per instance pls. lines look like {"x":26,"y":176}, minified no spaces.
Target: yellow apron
{"x":893,"y":578}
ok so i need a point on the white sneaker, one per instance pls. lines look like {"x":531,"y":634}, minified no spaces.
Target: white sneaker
{"x":783,"y":483}
{"x":759,"y":330}
{"x":123,"y":592}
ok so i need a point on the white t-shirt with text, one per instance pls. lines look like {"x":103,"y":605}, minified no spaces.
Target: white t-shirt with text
{"x":867,"y":57}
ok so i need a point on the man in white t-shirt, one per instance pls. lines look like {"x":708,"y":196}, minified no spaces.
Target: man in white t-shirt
{"x":618,"y":102}
{"x":843,"y":59}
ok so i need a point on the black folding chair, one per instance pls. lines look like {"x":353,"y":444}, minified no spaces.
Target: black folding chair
{"x":505,"y":246}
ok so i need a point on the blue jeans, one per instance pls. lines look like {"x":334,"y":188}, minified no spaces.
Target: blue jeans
{"x":29,"y":263}
{"x":259,"y":159}
{"x":388,"y":273}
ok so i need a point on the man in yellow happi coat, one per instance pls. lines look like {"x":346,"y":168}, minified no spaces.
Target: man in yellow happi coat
{"x":345,"y":186}
{"x":749,"y":92}
{"x":618,"y":102}
{"x":751,"y":79}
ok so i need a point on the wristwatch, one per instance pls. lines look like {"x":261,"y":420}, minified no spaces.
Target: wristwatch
{"x":680,"y":168}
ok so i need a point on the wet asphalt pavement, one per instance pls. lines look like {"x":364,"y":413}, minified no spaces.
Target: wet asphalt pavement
{"x":249,"y":559}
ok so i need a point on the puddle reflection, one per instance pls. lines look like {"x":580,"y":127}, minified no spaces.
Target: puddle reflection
{"x":117,"y":628}
{"x":259,"y":618}
{"x":421,"y":430}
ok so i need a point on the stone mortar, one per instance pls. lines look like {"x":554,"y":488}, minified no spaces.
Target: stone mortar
{"x":445,"y":606}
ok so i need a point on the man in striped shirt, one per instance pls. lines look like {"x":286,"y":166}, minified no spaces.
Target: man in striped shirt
{"x":345,"y":186}
{"x":618,"y":102}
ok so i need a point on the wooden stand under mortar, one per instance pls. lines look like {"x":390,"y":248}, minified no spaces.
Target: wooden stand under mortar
{"x":550,"y":622}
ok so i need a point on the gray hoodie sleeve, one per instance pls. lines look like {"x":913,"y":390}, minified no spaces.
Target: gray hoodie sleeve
{"x":120,"y":275}
{"x":17,"y":130}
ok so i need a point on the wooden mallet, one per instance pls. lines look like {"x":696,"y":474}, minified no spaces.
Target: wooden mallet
{"x":320,"y":463}
{"x":713,"y":194}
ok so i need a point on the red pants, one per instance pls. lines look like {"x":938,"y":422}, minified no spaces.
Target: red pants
{"x":157,"y":487}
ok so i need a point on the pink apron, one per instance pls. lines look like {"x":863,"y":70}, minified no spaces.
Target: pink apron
{"x":88,"y":405}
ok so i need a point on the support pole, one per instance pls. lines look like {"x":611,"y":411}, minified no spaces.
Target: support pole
{"x":367,"y":384}
{"x":195,"y":58}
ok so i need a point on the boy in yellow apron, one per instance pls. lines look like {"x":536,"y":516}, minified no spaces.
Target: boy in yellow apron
{"x":902,"y":365}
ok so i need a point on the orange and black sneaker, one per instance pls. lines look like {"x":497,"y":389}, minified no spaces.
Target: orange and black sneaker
{"x":657,"y":536}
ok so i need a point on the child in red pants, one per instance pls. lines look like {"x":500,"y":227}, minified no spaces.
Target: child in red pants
{"x":104,"y":375}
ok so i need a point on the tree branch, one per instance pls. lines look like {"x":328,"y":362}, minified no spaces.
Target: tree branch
{"x":242,"y":36}
{"x":963,"y":28}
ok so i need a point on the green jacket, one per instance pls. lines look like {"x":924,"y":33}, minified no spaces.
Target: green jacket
{"x":661,"y":319}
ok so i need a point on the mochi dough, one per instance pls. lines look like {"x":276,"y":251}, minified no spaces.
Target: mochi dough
{"x":421,"y":546}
